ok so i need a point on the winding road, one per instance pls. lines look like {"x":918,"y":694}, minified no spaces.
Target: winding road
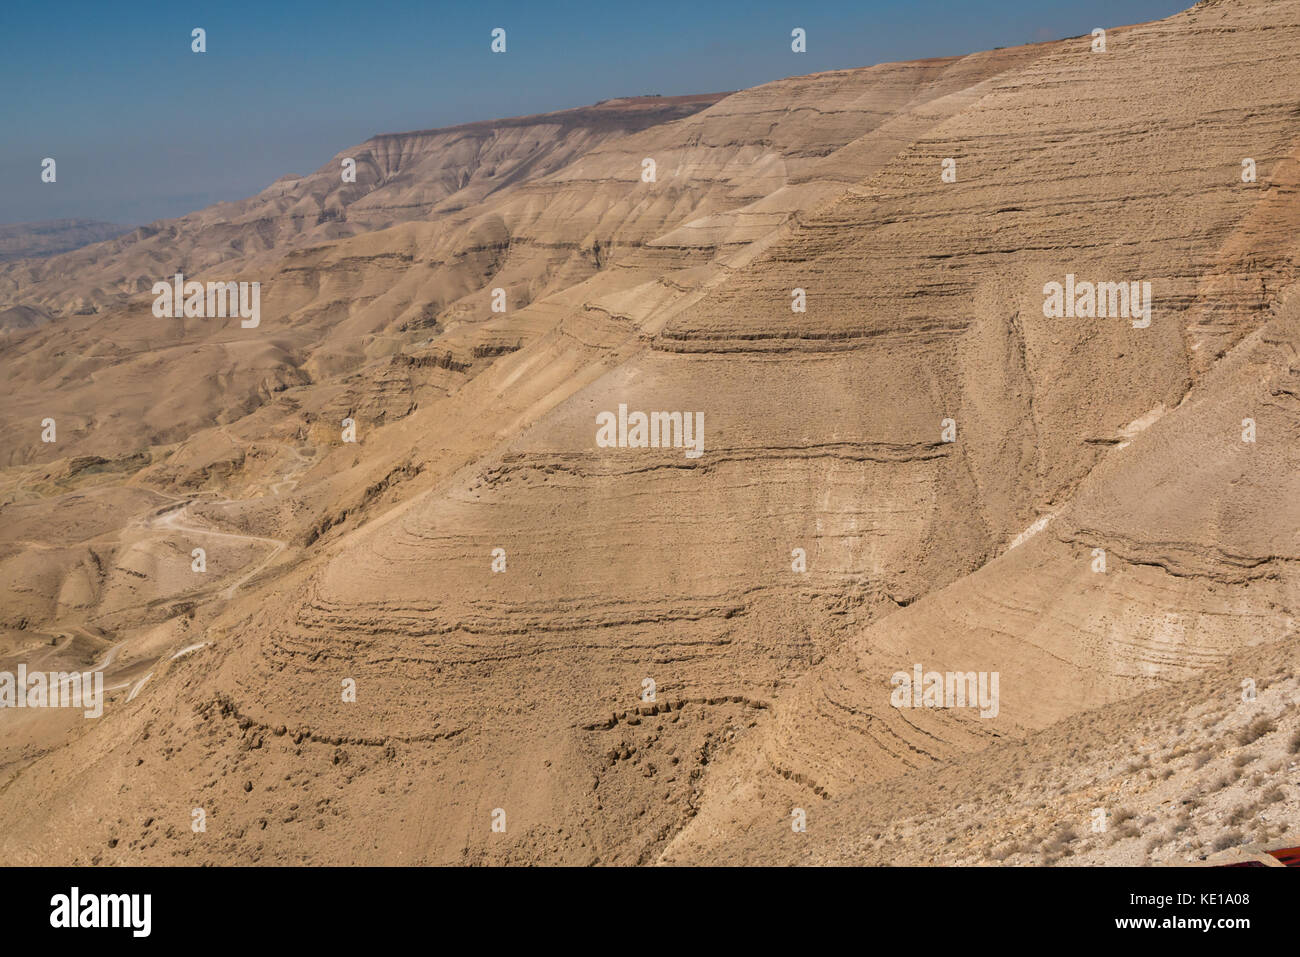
{"x":175,"y":518}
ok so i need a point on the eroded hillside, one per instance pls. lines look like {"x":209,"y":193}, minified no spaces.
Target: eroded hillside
{"x":398,"y":484}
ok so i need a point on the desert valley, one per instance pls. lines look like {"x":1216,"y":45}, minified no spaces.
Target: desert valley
{"x":894,"y":465}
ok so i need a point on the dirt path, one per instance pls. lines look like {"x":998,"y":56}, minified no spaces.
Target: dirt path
{"x":171,"y":521}
{"x":290,"y":478}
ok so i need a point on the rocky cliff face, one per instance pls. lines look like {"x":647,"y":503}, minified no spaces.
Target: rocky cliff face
{"x":905,"y":459}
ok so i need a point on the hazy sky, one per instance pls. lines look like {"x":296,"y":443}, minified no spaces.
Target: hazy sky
{"x":142,"y":128}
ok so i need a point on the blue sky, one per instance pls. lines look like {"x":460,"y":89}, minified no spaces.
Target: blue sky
{"x":142,"y":128}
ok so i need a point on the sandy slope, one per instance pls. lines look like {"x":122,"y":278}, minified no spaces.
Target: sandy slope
{"x":521,"y":690}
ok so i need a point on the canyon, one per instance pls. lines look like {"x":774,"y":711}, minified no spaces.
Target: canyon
{"x":943,"y":460}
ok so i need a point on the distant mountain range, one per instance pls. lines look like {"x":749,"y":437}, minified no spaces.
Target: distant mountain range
{"x":37,"y":240}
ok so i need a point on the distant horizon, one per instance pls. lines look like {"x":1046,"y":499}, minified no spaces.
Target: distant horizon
{"x":143,"y":129}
